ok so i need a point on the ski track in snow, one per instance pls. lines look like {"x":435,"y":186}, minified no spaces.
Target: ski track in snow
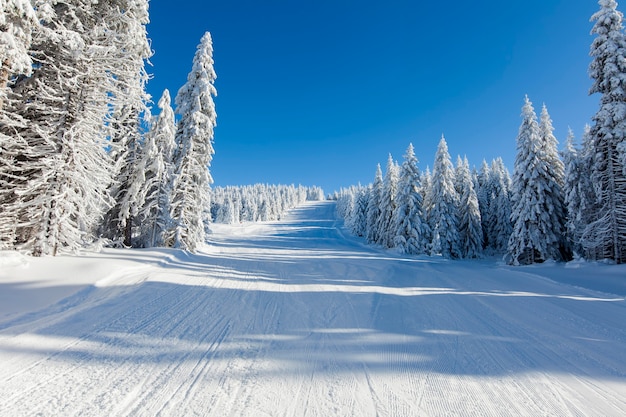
{"x":296,"y":318}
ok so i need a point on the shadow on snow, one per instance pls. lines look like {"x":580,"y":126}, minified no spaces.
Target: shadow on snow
{"x":307,"y":298}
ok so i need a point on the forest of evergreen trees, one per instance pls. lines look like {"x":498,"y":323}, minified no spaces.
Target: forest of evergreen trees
{"x":83,"y":161}
{"x":556,"y":206}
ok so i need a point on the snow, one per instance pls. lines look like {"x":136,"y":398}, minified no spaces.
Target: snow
{"x":298,"y":318}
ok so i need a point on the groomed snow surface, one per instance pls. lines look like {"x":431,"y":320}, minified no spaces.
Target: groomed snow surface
{"x":296,"y":318}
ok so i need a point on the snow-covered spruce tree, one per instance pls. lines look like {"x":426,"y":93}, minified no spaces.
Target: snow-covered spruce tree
{"x":352,"y":207}
{"x":156,"y":165}
{"x":356,"y":220}
{"x":605,"y":236}
{"x":426,"y":180}
{"x":345,"y":205}
{"x":443,"y":211}
{"x":126,"y":22}
{"x":458,"y":175}
{"x":576,"y":181}
{"x":17,"y":19}
{"x":373,"y":207}
{"x":60,"y":171}
{"x":359,"y":224}
{"x":483,"y":192}
{"x":470,"y":229}
{"x":537,"y":229}
{"x":500,"y":227}
{"x":411,"y":229}
{"x":588,"y":199}
{"x":388,"y":204}
{"x":190,"y":203}
{"x":554,"y":178}
{"x":226,"y":213}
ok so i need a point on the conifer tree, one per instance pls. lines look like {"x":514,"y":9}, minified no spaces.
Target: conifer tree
{"x":554,"y":178}
{"x":360,"y":212}
{"x":411,"y":229}
{"x":470,"y":229}
{"x":499,"y":219}
{"x":17,"y":19}
{"x":56,"y":188}
{"x":574,"y":193}
{"x":126,"y":22}
{"x":605,"y":235}
{"x":426,"y":180}
{"x":190,"y":203}
{"x":373,"y":207}
{"x":443,"y":213}
{"x":537,"y":229}
{"x":484,"y":200}
{"x":156,"y":159}
{"x":458,"y":175}
{"x":388,"y":204}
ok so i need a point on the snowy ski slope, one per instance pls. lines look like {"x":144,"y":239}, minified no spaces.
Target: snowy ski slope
{"x":296,"y":318}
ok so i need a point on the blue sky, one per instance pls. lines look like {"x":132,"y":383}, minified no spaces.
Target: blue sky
{"x":317,"y":92}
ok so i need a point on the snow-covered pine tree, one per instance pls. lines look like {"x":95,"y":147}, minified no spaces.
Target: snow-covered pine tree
{"x":126,"y":22}
{"x":554,"y":178}
{"x":411,"y":229}
{"x":537,"y":231}
{"x":500,"y":227}
{"x":360,"y":212}
{"x":426,"y":180}
{"x":17,"y":19}
{"x":458,"y":175}
{"x":156,"y":160}
{"x":356,"y":203}
{"x":588,"y":199}
{"x":226,"y":212}
{"x":17,"y":22}
{"x":345,"y":206}
{"x":373,"y":207}
{"x":57,"y":183}
{"x":605,"y":236}
{"x":484,"y":200}
{"x":470,"y":229}
{"x":443,"y":213}
{"x":388,"y":204}
{"x":190,"y":203}
{"x":574,"y":193}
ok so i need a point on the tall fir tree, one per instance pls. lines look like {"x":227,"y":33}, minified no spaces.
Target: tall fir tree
{"x":359,"y":223}
{"x":605,"y":235}
{"x":56,"y":187}
{"x":126,"y":21}
{"x":553,"y":191}
{"x":157,"y":153}
{"x":537,"y":230}
{"x":499,"y":219}
{"x":190,"y":203}
{"x":484,"y":200}
{"x":388,"y":204}
{"x":17,"y":20}
{"x":444,"y":201}
{"x":574,"y":191}
{"x":373,"y":207}
{"x":470,"y":228}
{"x":411,"y":229}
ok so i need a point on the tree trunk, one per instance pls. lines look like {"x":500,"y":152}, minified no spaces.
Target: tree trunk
{"x":128,"y":229}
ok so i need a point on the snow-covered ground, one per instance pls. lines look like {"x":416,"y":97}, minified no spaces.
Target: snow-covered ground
{"x":296,"y":318}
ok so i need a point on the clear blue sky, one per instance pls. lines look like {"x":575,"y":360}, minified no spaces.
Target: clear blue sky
{"x":317,"y":92}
